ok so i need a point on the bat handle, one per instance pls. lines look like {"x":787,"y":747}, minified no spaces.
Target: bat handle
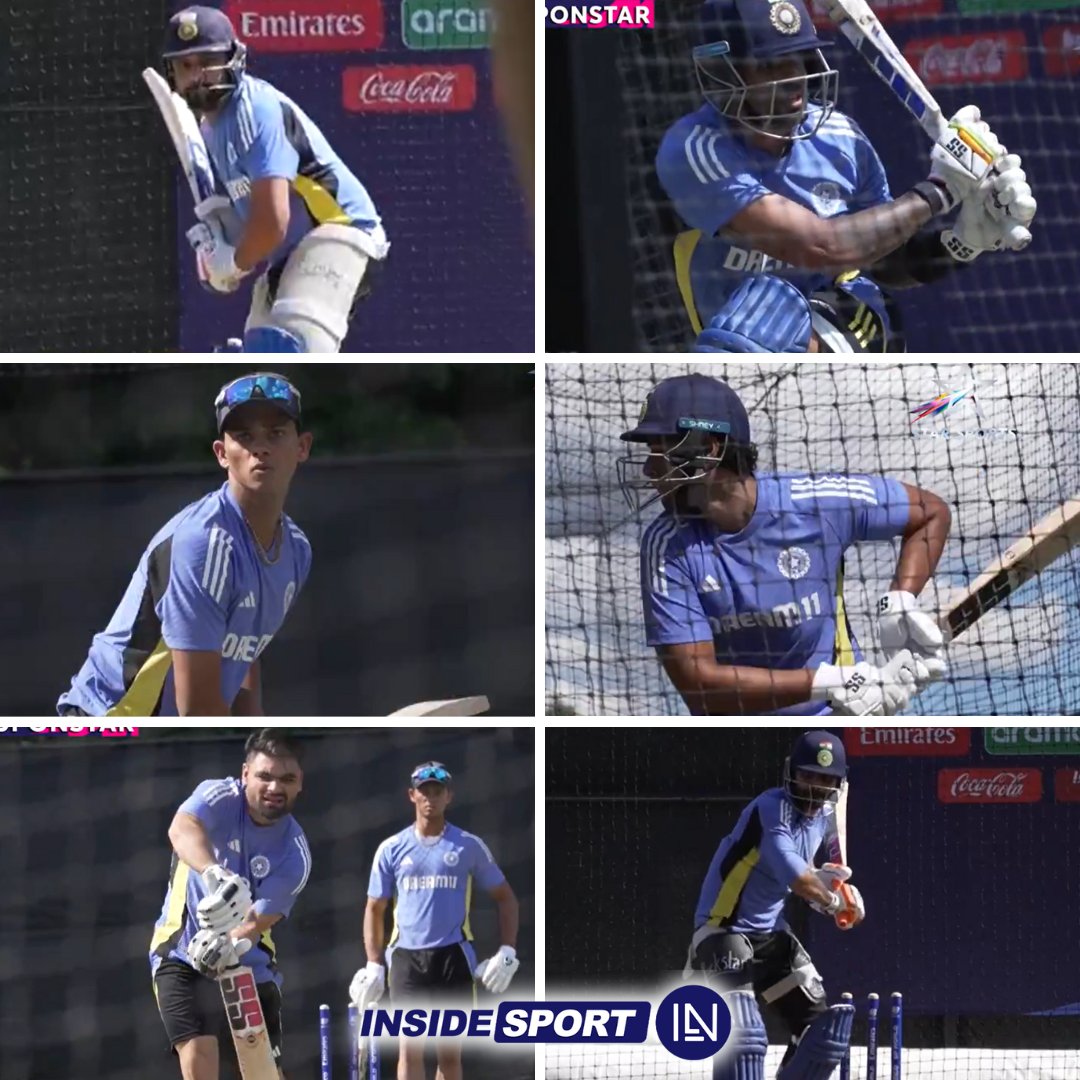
{"x":844,"y":919}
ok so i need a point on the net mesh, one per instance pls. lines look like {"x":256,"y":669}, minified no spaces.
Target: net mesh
{"x":87,"y":862}
{"x":1001,"y":461}
{"x":636,"y":815}
{"x":1021,"y":72}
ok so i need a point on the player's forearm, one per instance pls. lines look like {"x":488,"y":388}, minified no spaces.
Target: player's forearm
{"x":261,"y":237}
{"x":712,"y":689}
{"x":509,"y":918}
{"x":922,"y":545}
{"x":207,"y":705}
{"x":861,"y":239}
{"x":191,"y":844}
{"x":374,"y":935}
{"x":808,"y":887}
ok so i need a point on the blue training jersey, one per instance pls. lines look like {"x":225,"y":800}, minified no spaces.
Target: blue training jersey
{"x":711,"y":173}
{"x":770,"y":596}
{"x":430,"y":880}
{"x":261,"y":133}
{"x":275,"y":860}
{"x":750,"y":876}
{"x":200,"y":586}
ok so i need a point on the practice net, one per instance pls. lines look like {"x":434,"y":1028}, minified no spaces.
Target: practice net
{"x":1022,"y":72}
{"x":636,"y":815}
{"x":1002,"y":459}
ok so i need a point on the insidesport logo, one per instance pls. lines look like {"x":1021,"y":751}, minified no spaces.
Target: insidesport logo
{"x":283,"y":26}
{"x":409,"y":88}
{"x":446,"y":24}
{"x":625,"y":13}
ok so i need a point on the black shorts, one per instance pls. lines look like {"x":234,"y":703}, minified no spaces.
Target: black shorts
{"x":190,"y":1004}
{"x":439,"y":975}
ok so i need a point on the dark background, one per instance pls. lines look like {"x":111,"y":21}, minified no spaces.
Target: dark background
{"x":93,"y":207}
{"x":610,"y":279}
{"x":418,"y":503}
{"x":963,"y":901}
{"x":84,"y":830}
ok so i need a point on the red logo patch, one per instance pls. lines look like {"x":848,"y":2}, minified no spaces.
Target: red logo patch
{"x":989,"y":785}
{"x":1067,"y":785}
{"x":1061,"y":49}
{"x":289,"y":26}
{"x":907,"y":741}
{"x":970,"y":58}
{"x":410,"y":88}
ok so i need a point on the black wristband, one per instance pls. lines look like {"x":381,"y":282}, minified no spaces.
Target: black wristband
{"x":936,"y":196}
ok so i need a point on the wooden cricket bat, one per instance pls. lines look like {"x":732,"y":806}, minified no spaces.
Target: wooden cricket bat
{"x":836,"y":847}
{"x":466,"y":706}
{"x":247,"y":1024}
{"x":1047,"y":541}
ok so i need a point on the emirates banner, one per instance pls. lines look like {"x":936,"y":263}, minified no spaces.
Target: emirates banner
{"x":403,"y":91}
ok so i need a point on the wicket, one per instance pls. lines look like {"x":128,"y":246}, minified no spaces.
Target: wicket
{"x":362,"y":1066}
{"x":896,"y":1042}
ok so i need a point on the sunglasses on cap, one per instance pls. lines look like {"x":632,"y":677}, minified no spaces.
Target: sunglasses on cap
{"x":433,"y":770}
{"x":275,"y":389}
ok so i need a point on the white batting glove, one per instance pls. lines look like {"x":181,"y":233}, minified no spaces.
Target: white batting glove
{"x":904,"y":626}
{"x":215,"y":256}
{"x":212,"y":953}
{"x":866,"y":690}
{"x":1007,"y":197}
{"x":963,"y":156}
{"x":831,"y":876}
{"x":367,"y":985}
{"x":495,"y":974}
{"x":852,"y":910}
{"x":226,"y":907}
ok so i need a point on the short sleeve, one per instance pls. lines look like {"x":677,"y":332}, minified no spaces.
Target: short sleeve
{"x":857,"y":507}
{"x":704,"y":178}
{"x":201,"y":579}
{"x":381,"y":881}
{"x":213,"y":802}
{"x":669,"y":598}
{"x":484,"y":867}
{"x":270,"y":153}
{"x":873,"y":187}
{"x":282,"y":887}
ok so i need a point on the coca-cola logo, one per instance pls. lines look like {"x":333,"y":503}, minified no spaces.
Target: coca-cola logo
{"x":288,"y":26}
{"x":907,"y":741}
{"x":410,"y":88}
{"x":970,"y":58}
{"x":1061,"y":49}
{"x":989,"y":785}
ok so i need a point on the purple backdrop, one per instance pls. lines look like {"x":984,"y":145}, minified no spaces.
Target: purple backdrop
{"x":459,"y":276}
{"x":1029,"y":94}
{"x":970,"y":907}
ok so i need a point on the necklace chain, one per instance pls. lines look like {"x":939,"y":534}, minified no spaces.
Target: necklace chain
{"x":276,"y":543}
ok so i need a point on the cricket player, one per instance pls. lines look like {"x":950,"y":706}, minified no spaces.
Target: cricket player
{"x":292,"y":205}
{"x":240,"y":861}
{"x":792,"y":232}
{"x":742,"y":576}
{"x":742,"y":945}
{"x":215,"y":583}
{"x":428,"y":870}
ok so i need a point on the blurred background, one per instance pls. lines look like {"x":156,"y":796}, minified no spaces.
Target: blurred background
{"x":84,"y":828}
{"x":94,"y":208}
{"x":418,"y":502}
{"x":611,"y":281}
{"x":963,"y":892}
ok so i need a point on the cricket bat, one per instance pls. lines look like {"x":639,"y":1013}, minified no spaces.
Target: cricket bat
{"x":466,"y":706}
{"x":247,"y":1024}
{"x":857,"y":22}
{"x":1047,"y":541}
{"x":836,"y":847}
{"x":186,"y":137}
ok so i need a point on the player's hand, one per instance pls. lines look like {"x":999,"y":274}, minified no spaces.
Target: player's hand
{"x":216,"y":877}
{"x":963,"y":156}
{"x":212,"y":953}
{"x":494,"y":975}
{"x":852,"y":910}
{"x":215,"y":256}
{"x":1007,"y":196}
{"x":904,"y":626}
{"x":226,"y":907}
{"x":866,"y":690}
{"x":367,"y":985}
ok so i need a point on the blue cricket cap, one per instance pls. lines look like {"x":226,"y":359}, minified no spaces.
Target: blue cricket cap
{"x":819,"y":752}
{"x":691,"y":402}
{"x":758,"y":29}
{"x":198,"y":29}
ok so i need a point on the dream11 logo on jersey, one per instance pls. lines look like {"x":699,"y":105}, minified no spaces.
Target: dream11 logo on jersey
{"x":956,"y":414}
